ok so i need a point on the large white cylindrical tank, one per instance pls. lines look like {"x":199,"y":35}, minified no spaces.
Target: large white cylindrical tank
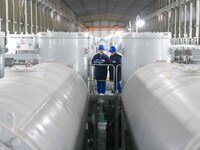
{"x":141,"y":49}
{"x":66,"y":48}
{"x":161,"y":103}
{"x":2,"y":53}
{"x":43,"y":108}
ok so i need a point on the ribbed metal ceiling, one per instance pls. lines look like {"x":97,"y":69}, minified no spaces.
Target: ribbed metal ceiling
{"x":109,"y":10}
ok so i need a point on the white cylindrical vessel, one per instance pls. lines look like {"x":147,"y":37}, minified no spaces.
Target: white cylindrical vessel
{"x":66,"y":48}
{"x":43,"y":108}
{"x":161,"y":103}
{"x":141,"y":49}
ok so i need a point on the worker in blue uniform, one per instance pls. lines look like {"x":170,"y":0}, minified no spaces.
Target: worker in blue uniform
{"x":115,"y":59}
{"x":100,"y":72}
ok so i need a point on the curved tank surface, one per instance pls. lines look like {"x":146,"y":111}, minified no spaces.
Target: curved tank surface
{"x":161,"y":103}
{"x":43,"y":108}
{"x":140,"y":49}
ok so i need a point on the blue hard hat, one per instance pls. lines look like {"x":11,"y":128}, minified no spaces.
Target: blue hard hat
{"x":112,"y":49}
{"x":101,"y":47}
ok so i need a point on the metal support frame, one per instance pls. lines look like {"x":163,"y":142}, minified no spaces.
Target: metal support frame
{"x":36,"y":17}
{"x":13,"y":15}
{"x":185,"y":20}
{"x":175,"y":22}
{"x":180,"y":19}
{"x":91,"y":86}
{"x":25,"y":17}
{"x":47,"y":14}
{"x":166,"y":8}
{"x":96,"y":124}
{"x":40,"y":18}
{"x":96,"y":98}
{"x":19,"y":17}
{"x":117,"y":122}
{"x":197,"y":19}
{"x":31,"y":17}
{"x":123,"y":122}
{"x":95,"y":105}
{"x":7,"y":19}
{"x":0,"y":23}
{"x":168,"y":20}
{"x":60,"y":12}
{"x":191,"y":13}
{"x":43,"y":18}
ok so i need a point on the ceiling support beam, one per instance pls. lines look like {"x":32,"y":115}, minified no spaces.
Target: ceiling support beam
{"x":60,"y":12}
{"x":105,"y":27}
{"x":165,"y":9}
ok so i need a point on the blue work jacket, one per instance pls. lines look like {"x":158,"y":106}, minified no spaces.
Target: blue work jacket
{"x":115,"y":60}
{"x":100,"y":72}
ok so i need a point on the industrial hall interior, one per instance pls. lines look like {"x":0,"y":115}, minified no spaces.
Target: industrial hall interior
{"x":99,"y":74}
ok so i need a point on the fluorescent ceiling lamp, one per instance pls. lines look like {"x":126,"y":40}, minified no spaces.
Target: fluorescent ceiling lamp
{"x":140,"y":23}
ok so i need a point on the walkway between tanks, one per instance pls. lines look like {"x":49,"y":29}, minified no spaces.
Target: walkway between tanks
{"x":107,"y":116}
{"x":101,"y":135}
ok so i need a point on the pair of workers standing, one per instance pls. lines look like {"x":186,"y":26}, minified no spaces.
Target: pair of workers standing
{"x":100,"y":71}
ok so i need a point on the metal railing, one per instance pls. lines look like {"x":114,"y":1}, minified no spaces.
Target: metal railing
{"x":109,"y":100}
{"x":91,"y":80}
{"x":117,"y":68}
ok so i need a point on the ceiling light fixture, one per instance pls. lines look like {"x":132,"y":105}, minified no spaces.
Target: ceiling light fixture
{"x":139,"y":23}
